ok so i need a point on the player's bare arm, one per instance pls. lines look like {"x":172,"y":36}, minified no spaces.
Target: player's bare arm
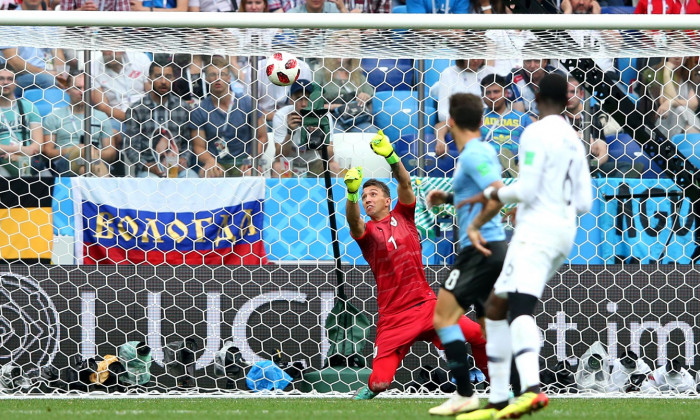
{"x":353,"y":181}
{"x":489,"y":193}
{"x":489,"y":210}
{"x":382,"y":146}
{"x":438,"y":197}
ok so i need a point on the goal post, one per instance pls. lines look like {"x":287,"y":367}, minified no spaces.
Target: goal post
{"x":199,"y":280}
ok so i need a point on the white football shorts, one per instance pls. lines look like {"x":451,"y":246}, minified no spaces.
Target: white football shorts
{"x":527,"y":268}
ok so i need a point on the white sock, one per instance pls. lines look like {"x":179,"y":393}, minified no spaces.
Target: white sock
{"x":498,"y":350}
{"x":525,"y":337}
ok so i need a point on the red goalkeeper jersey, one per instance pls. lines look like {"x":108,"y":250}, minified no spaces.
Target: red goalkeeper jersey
{"x":392,"y":248}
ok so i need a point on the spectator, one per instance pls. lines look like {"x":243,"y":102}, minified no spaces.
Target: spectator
{"x":345,"y":88}
{"x":658,"y":7}
{"x":294,"y":133}
{"x":64,"y":136}
{"x":525,"y":82}
{"x":502,"y":125}
{"x":489,"y":7}
{"x":320,"y":6}
{"x":648,"y":87}
{"x":161,"y":5}
{"x":678,"y":103}
{"x":9,"y":4}
{"x":369,"y":6}
{"x":119,"y":81}
{"x":540,"y":7}
{"x":437,"y":6}
{"x":577,"y":116}
{"x":167,"y":157}
{"x":463,"y":77}
{"x":159,"y":109}
{"x":34,"y":67}
{"x":100,"y":5}
{"x":693,"y":66}
{"x":189,"y":81}
{"x":254,"y":6}
{"x":279,"y":6}
{"x":214,"y":5}
{"x":20,"y":130}
{"x":221,"y":131}
{"x":581,"y":7}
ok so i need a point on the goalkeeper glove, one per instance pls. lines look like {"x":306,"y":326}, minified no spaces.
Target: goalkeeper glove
{"x":353,"y":180}
{"x":382,"y":146}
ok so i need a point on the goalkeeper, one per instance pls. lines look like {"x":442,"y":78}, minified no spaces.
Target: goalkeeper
{"x":391,"y":245}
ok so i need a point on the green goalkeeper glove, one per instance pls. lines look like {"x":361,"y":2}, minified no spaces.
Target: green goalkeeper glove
{"x":353,"y":180}
{"x":382,"y":146}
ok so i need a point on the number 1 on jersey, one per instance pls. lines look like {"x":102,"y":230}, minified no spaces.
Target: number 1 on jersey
{"x":393,"y":241}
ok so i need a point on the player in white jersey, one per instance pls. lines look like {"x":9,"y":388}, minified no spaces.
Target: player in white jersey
{"x":553,"y":188}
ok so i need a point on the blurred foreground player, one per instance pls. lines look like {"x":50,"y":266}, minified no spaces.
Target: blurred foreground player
{"x":553,"y":188}
{"x":472,"y":278}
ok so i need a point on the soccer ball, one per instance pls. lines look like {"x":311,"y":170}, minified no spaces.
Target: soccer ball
{"x":282,"y":69}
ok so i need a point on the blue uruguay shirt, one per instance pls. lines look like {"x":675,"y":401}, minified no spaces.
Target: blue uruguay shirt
{"x":160,"y":4}
{"x":226,"y":136}
{"x":426,"y":6}
{"x":503,"y":131}
{"x":477,"y":167}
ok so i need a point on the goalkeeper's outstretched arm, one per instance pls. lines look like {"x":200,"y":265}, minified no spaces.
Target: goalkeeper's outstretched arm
{"x":382,"y":146}
{"x":353,"y":181}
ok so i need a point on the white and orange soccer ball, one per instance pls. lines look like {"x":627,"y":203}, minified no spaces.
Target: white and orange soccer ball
{"x":282,"y":68}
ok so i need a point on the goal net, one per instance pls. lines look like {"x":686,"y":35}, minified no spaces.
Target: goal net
{"x":170,"y":222}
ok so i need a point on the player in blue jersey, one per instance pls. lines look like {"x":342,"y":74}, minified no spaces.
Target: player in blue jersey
{"x":502,"y":125}
{"x":474,"y":274}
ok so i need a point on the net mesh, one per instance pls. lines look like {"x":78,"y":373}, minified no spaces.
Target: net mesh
{"x":373,"y":43}
{"x":193,"y":283}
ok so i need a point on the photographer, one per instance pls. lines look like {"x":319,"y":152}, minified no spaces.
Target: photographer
{"x":299,"y":131}
{"x":345,"y":87}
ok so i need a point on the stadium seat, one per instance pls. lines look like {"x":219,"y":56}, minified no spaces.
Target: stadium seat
{"x":623,"y":148}
{"x":407,"y":148}
{"x":46,"y":100}
{"x":617,"y":9}
{"x":433,"y":68}
{"x":688,"y":145}
{"x":397,"y":113}
{"x":352,"y":149}
{"x":399,"y":9}
{"x":628,"y":70}
{"x":389,"y":74}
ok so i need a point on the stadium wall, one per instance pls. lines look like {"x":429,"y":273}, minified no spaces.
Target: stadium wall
{"x":632,"y":221}
{"x":53,"y":312}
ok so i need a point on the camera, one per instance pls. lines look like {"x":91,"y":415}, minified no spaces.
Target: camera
{"x":316,"y":112}
{"x":316,"y":138}
{"x":529,"y":6}
{"x":315,"y":126}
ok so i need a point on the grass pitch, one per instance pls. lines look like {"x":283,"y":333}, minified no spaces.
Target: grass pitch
{"x":327,"y":409}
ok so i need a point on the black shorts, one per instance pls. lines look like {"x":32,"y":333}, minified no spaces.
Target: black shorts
{"x":473,"y":275}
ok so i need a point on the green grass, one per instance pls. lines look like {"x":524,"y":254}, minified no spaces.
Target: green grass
{"x":331,"y":409}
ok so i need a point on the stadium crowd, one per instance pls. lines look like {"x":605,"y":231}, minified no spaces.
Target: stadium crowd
{"x":194,"y":116}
